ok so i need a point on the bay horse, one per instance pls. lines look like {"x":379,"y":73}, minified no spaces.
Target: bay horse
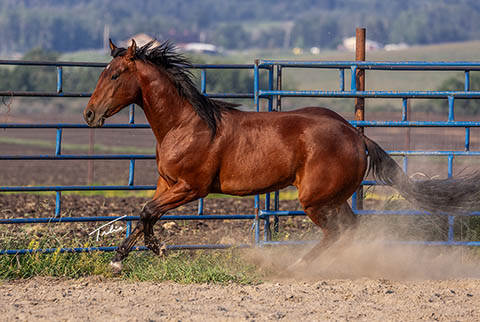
{"x":208,"y":146}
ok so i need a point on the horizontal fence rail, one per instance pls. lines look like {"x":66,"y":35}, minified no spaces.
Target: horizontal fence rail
{"x":271,"y":95}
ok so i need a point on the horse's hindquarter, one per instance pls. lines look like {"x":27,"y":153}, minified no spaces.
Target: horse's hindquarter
{"x":263,"y":152}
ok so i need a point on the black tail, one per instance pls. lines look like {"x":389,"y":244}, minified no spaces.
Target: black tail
{"x":454,"y":195}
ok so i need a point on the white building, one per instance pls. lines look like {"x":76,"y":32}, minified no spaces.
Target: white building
{"x":350,"y":44}
{"x":140,"y":39}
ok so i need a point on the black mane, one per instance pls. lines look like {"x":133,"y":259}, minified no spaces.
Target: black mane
{"x":176,"y":65}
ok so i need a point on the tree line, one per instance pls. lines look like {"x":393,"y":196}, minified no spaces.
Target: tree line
{"x":72,"y":25}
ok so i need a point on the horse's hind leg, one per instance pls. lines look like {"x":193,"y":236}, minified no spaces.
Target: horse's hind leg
{"x":334,"y":222}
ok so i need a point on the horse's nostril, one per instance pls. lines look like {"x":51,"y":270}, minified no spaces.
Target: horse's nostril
{"x":90,"y":115}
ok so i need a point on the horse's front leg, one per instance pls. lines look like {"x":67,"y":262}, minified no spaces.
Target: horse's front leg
{"x":152,"y":242}
{"x":177,"y":195}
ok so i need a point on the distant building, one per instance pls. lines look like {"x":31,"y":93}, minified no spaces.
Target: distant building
{"x":140,"y":40}
{"x":315,"y":50}
{"x":349,"y":44}
{"x":200,"y":48}
{"x":393,"y":47}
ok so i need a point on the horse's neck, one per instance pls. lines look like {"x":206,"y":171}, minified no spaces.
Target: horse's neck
{"x":164,"y":108}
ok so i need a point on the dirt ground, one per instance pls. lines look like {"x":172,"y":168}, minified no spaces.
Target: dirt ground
{"x":363,"y":299}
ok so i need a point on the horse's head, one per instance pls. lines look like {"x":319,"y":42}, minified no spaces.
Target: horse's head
{"x":116,"y":88}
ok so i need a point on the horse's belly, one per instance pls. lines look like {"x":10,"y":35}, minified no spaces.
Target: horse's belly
{"x":249,"y":180}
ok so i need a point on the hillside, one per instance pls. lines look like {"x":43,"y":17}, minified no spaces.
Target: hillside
{"x":67,"y":26}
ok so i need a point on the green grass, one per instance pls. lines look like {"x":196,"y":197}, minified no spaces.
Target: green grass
{"x":218,"y":267}
{"x":226,"y":266}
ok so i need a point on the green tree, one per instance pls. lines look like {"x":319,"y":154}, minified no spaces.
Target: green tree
{"x":32,"y":78}
{"x":231,"y":36}
{"x":462,"y":106}
{"x":316,"y":30}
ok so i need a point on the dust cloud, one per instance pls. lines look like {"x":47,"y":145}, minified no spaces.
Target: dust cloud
{"x":369,"y":253}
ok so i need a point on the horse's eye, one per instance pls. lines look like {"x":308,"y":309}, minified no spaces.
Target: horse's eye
{"x":114,"y":76}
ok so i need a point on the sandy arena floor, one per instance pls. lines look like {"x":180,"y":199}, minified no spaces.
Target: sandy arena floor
{"x":94,"y":299}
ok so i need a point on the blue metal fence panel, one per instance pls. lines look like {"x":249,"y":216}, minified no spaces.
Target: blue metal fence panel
{"x":451,"y":96}
{"x":131,"y":186}
{"x":256,"y":95}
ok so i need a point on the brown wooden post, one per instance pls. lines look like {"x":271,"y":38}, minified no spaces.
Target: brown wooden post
{"x":360,"y":101}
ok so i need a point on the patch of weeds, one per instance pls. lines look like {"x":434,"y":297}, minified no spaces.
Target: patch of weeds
{"x":219,"y":267}
{"x":226,"y":266}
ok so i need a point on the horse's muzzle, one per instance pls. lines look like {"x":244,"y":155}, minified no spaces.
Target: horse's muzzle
{"x":91,"y":119}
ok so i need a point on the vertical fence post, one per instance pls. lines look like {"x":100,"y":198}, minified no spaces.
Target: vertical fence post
{"x":451,"y":219}
{"x":256,"y":76}
{"x":405,"y":118}
{"x":58,"y":194}
{"x":266,"y":223}
{"x":360,"y":86}
{"x":467,"y":80}
{"x":59,"y":79}
{"x":467,"y":139}
{"x":451,"y":111}
{"x":257,"y":220}
{"x":270,"y":87}
{"x":203,"y":90}
{"x":278,"y":108}
{"x":342,"y":79}
{"x":256,"y":102}
{"x":131,"y":114}
{"x":279,"y":88}
{"x":58,"y":145}
{"x":131,"y":180}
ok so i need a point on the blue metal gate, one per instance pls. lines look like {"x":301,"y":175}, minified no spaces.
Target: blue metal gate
{"x":404,"y":96}
{"x":272,"y":95}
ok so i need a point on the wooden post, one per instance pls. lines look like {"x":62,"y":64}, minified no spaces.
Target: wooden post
{"x":360,"y":76}
{"x":360,"y":101}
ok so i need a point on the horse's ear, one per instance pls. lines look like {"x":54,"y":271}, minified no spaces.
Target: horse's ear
{"x":131,"y":51}
{"x":113,"y":48}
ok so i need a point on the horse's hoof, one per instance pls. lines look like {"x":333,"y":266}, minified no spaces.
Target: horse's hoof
{"x":116,"y":267}
{"x":163,"y":250}
{"x":158,"y":250}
